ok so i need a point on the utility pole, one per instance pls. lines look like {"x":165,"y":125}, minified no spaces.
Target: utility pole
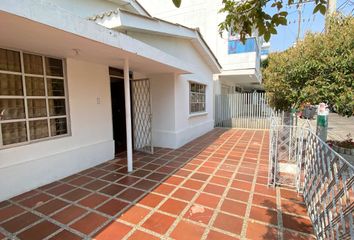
{"x":331,"y":7}
{"x":299,"y":9}
{"x":299,"y":4}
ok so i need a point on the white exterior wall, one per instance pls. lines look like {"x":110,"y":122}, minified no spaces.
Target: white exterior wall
{"x":90,"y":143}
{"x":203,"y":14}
{"x":163,"y":111}
{"x":173,"y":126}
{"x":86,"y":8}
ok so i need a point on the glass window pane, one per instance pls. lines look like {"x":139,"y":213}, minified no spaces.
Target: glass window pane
{"x":33,"y":64}
{"x":199,"y":98}
{"x":193,"y":107}
{"x":12,"y":109}
{"x":55,"y":87}
{"x":38,"y":129}
{"x":193,"y":97}
{"x":193,"y":87}
{"x":54,"y":67}
{"x":10,"y":60}
{"x":13,"y":133}
{"x":58,"y":126}
{"x":35,"y":86}
{"x":36,"y":108}
{"x":57,"y":107}
{"x":10,"y":85}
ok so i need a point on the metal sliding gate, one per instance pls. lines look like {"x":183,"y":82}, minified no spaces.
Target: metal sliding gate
{"x":325,"y":179}
{"x":142,"y":116}
{"x":242,"y":110}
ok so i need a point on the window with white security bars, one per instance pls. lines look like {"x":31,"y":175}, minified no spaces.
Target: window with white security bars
{"x":33,"y":98}
{"x":196,"y":97}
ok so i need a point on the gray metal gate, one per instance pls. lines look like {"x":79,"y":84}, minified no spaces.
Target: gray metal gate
{"x":242,"y":110}
{"x":142,"y":116}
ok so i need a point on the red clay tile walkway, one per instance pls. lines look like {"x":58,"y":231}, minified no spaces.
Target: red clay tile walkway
{"x":212,"y":188}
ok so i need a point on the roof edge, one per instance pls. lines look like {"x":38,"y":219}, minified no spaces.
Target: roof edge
{"x":194,"y":33}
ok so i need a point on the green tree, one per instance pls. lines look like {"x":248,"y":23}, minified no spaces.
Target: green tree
{"x":318,"y":69}
{"x":245,"y":16}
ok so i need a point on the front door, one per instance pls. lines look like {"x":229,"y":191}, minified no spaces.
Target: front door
{"x":118,"y":113}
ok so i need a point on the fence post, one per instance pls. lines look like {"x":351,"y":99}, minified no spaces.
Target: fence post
{"x":322,"y":122}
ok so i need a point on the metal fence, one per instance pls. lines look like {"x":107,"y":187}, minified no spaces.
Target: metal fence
{"x":242,"y":110}
{"x":325,"y":179}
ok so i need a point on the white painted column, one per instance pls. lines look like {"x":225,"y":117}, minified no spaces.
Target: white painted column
{"x":128,"y":118}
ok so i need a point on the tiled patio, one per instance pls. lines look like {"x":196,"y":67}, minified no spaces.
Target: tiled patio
{"x":212,"y":188}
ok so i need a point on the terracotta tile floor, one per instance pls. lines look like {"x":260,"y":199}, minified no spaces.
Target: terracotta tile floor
{"x":212,"y":188}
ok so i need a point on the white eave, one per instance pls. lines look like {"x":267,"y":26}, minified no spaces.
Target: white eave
{"x":134,"y":5}
{"x":124,"y":20}
{"x":48,"y":16}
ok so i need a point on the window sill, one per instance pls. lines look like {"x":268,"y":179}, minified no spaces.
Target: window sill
{"x":191,"y":115}
{"x":47,"y":139}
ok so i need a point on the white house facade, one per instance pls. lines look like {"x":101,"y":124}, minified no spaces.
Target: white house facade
{"x":240,"y":62}
{"x":81,"y":80}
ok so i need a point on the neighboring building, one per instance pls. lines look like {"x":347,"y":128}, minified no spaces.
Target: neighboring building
{"x":240,"y":62}
{"x":66,"y":81}
{"x":265,"y":51}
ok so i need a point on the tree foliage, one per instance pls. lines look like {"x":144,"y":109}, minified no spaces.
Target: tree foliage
{"x":318,"y":69}
{"x":246,"y":16}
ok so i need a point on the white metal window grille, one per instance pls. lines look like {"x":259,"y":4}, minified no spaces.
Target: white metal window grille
{"x":196,"y":97}
{"x":33,"y":99}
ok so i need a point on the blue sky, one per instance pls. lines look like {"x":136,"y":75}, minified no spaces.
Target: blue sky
{"x":287,"y":34}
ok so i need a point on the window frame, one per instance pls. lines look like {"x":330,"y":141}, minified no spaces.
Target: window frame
{"x":46,"y":97}
{"x":197,"y":113}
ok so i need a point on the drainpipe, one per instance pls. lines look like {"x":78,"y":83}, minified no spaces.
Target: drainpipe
{"x":128,"y":121}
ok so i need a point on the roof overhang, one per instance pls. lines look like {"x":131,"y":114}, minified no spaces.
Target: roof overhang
{"x":41,"y":27}
{"x":134,"y":5}
{"x":241,"y":77}
{"x":124,"y":20}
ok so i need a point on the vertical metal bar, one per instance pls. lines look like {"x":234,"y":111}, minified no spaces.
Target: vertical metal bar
{"x":249,"y":109}
{"x":223,"y":110}
{"x":216,"y":115}
{"x":242,"y":109}
{"x":234,"y":107}
{"x":219,"y":111}
{"x":252,"y":110}
{"x":258,"y":112}
{"x":246,"y":112}
{"x":239,"y":99}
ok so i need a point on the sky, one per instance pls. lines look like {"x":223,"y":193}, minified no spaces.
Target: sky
{"x":286,"y":36}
